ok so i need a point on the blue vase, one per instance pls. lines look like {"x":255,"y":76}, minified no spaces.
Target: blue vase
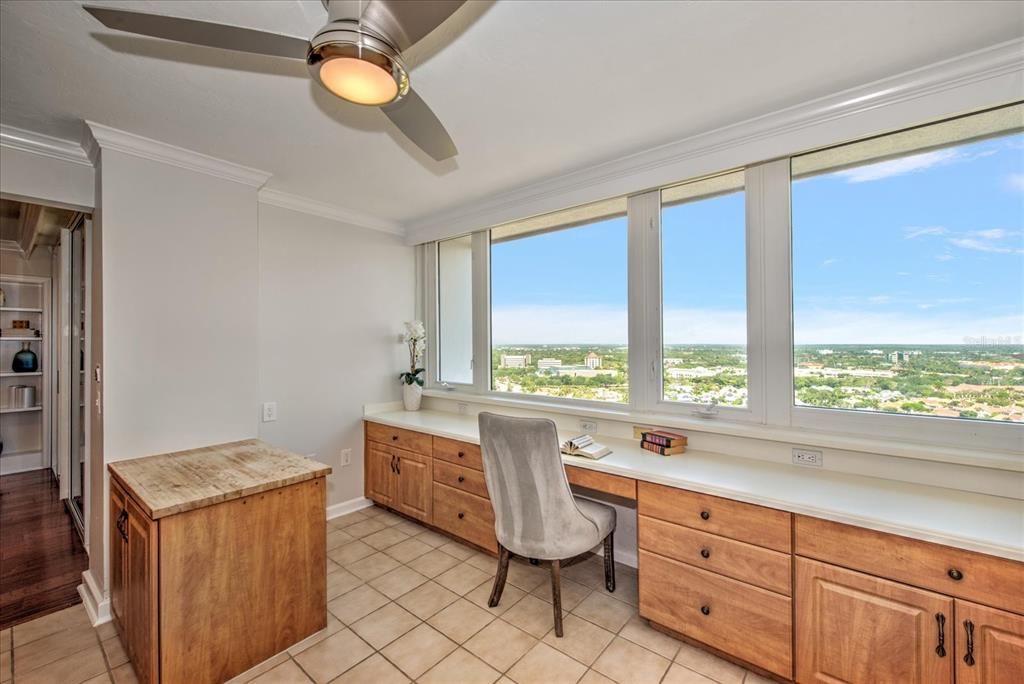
{"x":25,"y":361}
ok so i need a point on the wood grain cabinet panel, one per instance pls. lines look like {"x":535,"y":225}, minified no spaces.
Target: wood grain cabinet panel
{"x":379,"y":475}
{"x":397,"y":437}
{"x":744,"y":621}
{"x":741,"y":561}
{"x":118,"y":539}
{"x":414,"y":484}
{"x":623,"y":487}
{"x":141,"y":592}
{"x":465,"y":515}
{"x":851,"y":627}
{"x":758,"y":525}
{"x":956,"y":572}
{"x":457,"y":477}
{"x":989,"y":645}
{"x":460,"y":453}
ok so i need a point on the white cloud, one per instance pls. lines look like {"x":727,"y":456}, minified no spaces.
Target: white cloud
{"x":990,"y":240}
{"x":991,"y":234}
{"x":911,"y":233}
{"x":878,"y":327}
{"x":828,"y":262}
{"x":899,"y":167}
{"x":1015,"y":181}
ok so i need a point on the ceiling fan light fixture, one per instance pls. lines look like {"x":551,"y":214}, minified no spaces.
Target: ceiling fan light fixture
{"x":356,"y":65}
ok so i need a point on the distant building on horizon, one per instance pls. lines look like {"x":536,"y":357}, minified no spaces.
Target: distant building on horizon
{"x":593,"y":360}
{"x":549,"y":363}
{"x":515,"y":360}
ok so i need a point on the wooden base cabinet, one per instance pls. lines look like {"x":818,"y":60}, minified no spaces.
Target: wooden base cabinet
{"x":401,"y":480}
{"x":989,"y":645}
{"x":203,"y":595}
{"x":852,"y":627}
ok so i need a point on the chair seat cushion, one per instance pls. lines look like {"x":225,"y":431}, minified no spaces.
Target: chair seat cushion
{"x":603,"y":516}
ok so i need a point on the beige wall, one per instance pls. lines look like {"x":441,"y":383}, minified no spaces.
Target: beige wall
{"x":332,"y":301}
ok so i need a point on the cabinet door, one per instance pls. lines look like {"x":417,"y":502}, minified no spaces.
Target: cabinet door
{"x":117,"y":556}
{"x":989,"y":645}
{"x":852,"y":627}
{"x":415,"y":494}
{"x":380,"y":475}
{"x":141,"y":595}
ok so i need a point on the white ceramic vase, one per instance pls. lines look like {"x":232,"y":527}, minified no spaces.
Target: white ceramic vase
{"x":412,"y":396}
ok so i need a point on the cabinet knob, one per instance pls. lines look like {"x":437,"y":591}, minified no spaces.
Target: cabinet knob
{"x":394,"y":438}
{"x":706,"y":610}
{"x":462,"y":454}
{"x":704,"y":515}
{"x":461,"y":516}
{"x":705,"y":553}
{"x":462,"y":478}
{"x":955,"y":574}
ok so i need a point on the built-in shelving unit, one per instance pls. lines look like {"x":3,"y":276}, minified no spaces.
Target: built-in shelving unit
{"x":25,"y":430}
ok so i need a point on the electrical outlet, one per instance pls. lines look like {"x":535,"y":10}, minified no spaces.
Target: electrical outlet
{"x":346,"y":457}
{"x":807,"y":457}
{"x":269,"y":411}
{"x":588,"y":426}
{"x":463,"y":409}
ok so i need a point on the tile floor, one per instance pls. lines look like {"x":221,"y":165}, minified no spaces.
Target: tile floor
{"x":405,"y":604}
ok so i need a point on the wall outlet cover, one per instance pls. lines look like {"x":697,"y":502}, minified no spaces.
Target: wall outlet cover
{"x":463,"y":409}
{"x":346,"y":457}
{"x":807,"y":457}
{"x":269,"y":411}
{"x":588,"y":426}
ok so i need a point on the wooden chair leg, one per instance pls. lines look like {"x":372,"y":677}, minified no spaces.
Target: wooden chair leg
{"x":556,"y":594}
{"x":499,"y":578}
{"x":609,"y":562}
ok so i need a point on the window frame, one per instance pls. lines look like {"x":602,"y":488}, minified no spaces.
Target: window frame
{"x":770,"y":351}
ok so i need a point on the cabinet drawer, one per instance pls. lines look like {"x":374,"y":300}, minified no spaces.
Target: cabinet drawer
{"x":745,"y":621}
{"x":462,"y":453}
{"x":392,"y":436}
{"x":758,"y":525}
{"x":602,"y":482}
{"x":745,"y":562}
{"x":983,"y":578}
{"x":455,"y":476}
{"x":465,"y":515}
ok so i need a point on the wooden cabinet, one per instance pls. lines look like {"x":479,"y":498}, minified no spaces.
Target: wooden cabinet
{"x":202,"y":595}
{"x":399,"y":479}
{"x":851,"y":627}
{"x":380,"y":478}
{"x":989,"y":645}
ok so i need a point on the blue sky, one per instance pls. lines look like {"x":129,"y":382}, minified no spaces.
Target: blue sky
{"x":922,"y":249}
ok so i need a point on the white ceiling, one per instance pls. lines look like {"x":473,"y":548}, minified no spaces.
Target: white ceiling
{"x":526,"y":89}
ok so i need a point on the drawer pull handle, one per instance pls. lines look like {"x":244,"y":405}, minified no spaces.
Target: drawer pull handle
{"x":461,"y":516}
{"x":706,"y":610}
{"x":462,"y":454}
{"x":940,"y":649}
{"x":705,"y":553}
{"x":704,"y":515}
{"x":955,"y":574}
{"x":398,"y":465}
{"x":969,"y":629}
{"x":392,"y":463}
{"x":462,"y":478}
{"x":394,"y":438}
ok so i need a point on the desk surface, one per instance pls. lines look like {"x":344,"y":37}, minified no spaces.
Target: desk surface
{"x":978,"y":522}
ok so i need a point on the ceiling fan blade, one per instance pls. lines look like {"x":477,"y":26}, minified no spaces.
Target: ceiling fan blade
{"x":418,"y":122}
{"x":407,"y":21}
{"x":201,"y":32}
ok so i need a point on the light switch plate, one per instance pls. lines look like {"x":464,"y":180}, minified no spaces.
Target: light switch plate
{"x":269,"y":411}
{"x":346,"y":457}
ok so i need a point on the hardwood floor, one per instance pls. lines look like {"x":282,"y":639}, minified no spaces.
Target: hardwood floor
{"x":41,"y":555}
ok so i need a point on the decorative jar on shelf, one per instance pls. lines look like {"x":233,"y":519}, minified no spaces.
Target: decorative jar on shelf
{"x":412,"y":395}
{"x":25,"y":361}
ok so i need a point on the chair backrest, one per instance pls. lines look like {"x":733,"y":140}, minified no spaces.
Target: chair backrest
{"x":534,"y":508}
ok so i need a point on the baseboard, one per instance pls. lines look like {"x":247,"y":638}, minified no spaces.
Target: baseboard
{"x":96,"y":604}
{"x":345,"y":507}
{"x":25,"y":462}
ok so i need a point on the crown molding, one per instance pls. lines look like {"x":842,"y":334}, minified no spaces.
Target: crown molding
{"x":305,"y":205}
{"x":99,"y":137}
{"x":43,"y":145}
{"x":970,"y":82}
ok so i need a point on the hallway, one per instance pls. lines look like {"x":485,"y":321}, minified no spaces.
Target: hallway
{"x":41,"y":555}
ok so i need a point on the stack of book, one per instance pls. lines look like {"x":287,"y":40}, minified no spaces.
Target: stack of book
{"x":663,"y":442}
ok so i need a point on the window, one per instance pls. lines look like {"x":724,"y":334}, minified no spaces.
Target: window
{"x":908,"y":272}
{"x":704,"y":296}
{"x":455,"y":310}
{"x":559,"y":322}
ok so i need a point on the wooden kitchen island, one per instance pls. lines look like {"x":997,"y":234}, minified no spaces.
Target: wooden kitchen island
{"x":217,"y":558}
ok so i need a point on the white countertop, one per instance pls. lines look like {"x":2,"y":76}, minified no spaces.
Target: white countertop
{"x":977,"y":522}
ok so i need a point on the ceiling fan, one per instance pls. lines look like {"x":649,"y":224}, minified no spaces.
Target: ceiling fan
{"x":358,"y":58}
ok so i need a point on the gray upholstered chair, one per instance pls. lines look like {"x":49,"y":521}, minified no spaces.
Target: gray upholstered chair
{"x":536,"y":515}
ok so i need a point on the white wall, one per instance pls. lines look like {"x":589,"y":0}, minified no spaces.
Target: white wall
{"x":179,"y":307}
{"x":33,"y":176}
{"x":332,"y":301}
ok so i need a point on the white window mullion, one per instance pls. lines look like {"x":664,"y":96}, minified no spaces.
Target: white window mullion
{"x":426,"y":308}
{"x":773,"y":215}
{"x":644,"y":300}
{"x":756,"y":302}
{"x":481,"y":312}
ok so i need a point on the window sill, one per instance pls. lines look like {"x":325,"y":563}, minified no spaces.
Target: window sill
{"x":999,"y":460}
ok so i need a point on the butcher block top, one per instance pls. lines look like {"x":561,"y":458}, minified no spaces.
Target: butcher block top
{"x":185,"y":480}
